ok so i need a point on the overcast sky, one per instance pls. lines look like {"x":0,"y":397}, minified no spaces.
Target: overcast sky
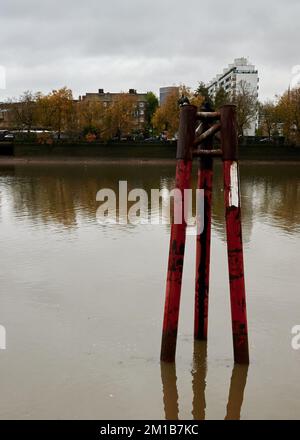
{"x":144,"y":44}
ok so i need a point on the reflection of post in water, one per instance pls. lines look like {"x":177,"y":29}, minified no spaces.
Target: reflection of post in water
{"x":236,"y":391}
{"x":170,"y":393}
{"x":199,"y":379}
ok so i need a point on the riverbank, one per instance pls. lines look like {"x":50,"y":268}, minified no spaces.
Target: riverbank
{"x":10,"y":160}
{"x":155,"y":152}
{"x":88,"y":161}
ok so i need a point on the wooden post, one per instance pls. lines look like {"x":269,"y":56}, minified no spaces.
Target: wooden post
{"x":186,"y":136}
{"x":229,"y":142}
{"x":205,"y":176}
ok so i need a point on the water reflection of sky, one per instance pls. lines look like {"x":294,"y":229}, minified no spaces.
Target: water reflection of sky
{"x":83,"y":302}
{"x":66,"y":197}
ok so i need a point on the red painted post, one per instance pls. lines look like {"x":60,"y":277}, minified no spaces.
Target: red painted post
{"x":234,"y":234}
{"x":186,"y":136}
{"x":205,"y":177}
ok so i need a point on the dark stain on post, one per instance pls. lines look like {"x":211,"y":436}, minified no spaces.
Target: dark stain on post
{"x":234,"y":234}
{"x":184,"y":155}
{"x":205,"y":178}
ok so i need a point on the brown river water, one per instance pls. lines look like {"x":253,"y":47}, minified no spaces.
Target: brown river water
{"x":82,"y":302}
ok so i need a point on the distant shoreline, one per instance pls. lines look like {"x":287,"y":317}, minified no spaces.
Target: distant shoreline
{"x":9,"y":160}
{"x":90,"y":161}
{"x":152,"y":154}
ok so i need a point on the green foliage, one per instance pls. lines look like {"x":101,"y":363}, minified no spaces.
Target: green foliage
{"x":152,"y":104}
{"x":202,"y":90}
{"x":222,"y":97}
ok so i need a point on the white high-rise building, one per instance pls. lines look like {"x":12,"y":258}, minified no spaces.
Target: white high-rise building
{"x":238,"y":74}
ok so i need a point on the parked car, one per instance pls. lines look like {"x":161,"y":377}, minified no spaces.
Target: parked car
{"x":9,"y":137}
{"x":266,"y":141}
{"x":5,"y":135}
{"x":2,"y":134}
{"x":152,"y":139}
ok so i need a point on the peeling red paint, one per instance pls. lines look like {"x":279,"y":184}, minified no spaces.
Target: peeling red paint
{"x":233,"y":230}
{"x":205,"y":177}
{"x":236,"y":271}
{"x":175,"y":268}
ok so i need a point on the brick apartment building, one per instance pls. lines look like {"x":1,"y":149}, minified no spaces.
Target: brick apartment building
{"x":108,"y":98}
{"x":6,"y":119}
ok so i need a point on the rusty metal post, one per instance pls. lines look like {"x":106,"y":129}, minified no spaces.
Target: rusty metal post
{"x":205,"y":177}
{"x":229,"y":143}
{"x":186,"y":136}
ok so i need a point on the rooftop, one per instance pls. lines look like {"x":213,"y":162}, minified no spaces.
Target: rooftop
{"x":241,"y":65}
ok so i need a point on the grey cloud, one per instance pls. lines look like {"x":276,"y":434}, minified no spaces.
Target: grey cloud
{"x":143,"y":44}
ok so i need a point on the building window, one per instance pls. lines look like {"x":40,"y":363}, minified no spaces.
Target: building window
{"x":141,"y":104}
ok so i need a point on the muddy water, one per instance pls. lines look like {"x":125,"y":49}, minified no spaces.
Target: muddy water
{"x":82,"y":302}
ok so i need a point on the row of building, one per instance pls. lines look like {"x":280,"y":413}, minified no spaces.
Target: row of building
{"x":237,"y":73}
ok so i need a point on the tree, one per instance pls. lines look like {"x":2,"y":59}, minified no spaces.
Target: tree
{"x":25,"y":110}
{"x":268,"y":116}
{"x":120,"y":117}
{"x":295,"y":104}
{"x":152,"y":105}
{"x":91,"y":117}
{"x":202,"y":90}
{"x":57,"y":110}
{"x":222,"y":97}
{"x":289,"y":114}
{"x":166,"y":117}
{"x":247,"y":106}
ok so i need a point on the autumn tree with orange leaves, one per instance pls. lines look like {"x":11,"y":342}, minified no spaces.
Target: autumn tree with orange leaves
{"x":288,"y":110}
{"x":57,"y":110}
{"x":166,"y":117}
{"x":119,"y":117}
